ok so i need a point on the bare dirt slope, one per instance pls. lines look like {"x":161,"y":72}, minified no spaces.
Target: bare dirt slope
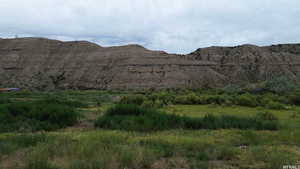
{"x":46,"y":64}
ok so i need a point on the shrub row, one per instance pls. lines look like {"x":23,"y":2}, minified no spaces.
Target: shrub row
{"x":271,"y":101}
{"x":274,"y":93}
{"x":46,"y":114}
{"x":137,"y":118}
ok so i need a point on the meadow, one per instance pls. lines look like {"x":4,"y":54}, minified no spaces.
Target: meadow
{"x":184,"y":129}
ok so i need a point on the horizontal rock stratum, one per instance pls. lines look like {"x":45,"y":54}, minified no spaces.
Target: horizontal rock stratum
{"x":38,"y":63}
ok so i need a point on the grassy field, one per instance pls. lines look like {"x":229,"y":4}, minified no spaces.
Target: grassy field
{"x":81,"y":145}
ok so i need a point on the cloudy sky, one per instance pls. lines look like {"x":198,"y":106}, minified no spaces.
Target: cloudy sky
{"x":176,"y":26}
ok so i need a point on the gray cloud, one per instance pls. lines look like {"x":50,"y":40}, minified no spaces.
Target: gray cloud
{"x":176,"y":26}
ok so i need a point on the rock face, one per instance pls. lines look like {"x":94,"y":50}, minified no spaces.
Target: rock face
{"x":38,"y":63}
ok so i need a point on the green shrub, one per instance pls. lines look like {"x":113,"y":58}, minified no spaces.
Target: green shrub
{"x":192,"y":99}
{"x":165,"y":97}
{"x":294,"y":98}
{"x":155,"y":100}
{"x":153,"y":104}
{"x":255,"y":88}
{"x":181,"y":100}
{"x":133,"y":117}
{"x":158,"y":104}
{"x":275,"y":105}
{"x":216,"y":99}
{"x":227,"y":122}
{"x":263,"y":100}
{"x":280,"y":85}
{"x":136,"y":118}
{"x":55,"y":114}
{"x":4,"y":100}
{"x":232,"y":89}
{"x":148,"y":104}
{"x":128,"y":109}
{"x":246,"y":100}
{"x":36,"y":115}
{"x":188,"y":99}
{"x":137,"y":99}
{"x":161,"y":99}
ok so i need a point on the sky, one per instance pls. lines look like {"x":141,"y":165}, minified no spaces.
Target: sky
{"x":174,"y":26}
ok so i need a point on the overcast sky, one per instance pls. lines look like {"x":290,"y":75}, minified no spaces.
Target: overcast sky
{"x":176,"y":26}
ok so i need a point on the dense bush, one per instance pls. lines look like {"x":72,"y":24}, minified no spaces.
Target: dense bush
{"x":136,"y":118}
{"x":128,"y":109}
{"x":133,"y":99}
{"x":190,"y":99}
{"x":246,"y":100}
{"x":133,"y":117}
{"x":227,"y":122}
{"x":161,"y":99}
{"x":164,"y":97}
{"x":217,"y":99}
{"x":280,"y":85}
{"x":275,"y":105}
{"x":294,"y":98}
{"x":156,"y":100}
{"x":4,"y":100}
{"x":36,"y":115}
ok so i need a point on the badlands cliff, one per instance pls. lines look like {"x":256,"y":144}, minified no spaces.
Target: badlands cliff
{"x":38,"y":63}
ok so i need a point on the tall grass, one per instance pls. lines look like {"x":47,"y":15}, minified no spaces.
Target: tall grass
{"x":12,"y":143}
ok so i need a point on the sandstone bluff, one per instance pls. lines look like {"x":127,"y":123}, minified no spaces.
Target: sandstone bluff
{"x":38,"y":63}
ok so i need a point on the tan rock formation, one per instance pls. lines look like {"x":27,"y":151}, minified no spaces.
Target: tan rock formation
{"x":38,"y":63}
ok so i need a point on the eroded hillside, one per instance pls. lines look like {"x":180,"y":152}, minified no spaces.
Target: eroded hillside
{"x":46,"y":64}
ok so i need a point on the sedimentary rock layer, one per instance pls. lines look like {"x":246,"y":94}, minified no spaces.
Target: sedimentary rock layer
{"x":38,"y":63}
